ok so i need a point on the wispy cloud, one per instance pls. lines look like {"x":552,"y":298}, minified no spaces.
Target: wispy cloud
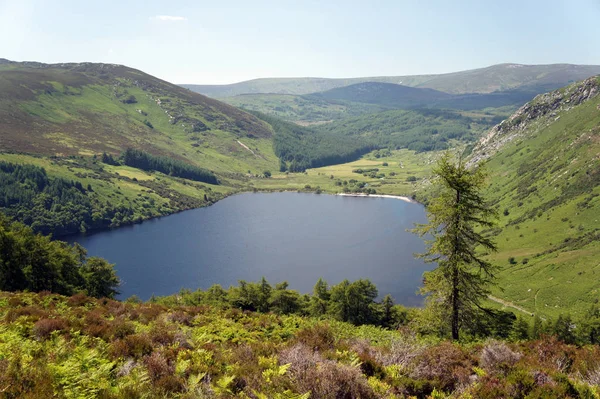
{"x":168,"y":18}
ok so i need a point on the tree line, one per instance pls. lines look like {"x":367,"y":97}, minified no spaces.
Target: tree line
{"x":354,"y":302}
{"x":52,"y":204}
{"x":145,"y":161}
{"x":34,"y":262}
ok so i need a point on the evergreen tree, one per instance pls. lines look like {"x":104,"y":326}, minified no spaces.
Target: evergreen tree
{"x":284,"y":301}
{"x":538,"y":327}
{"x":520,"y":330}
{"x":319,"y":299}
{"x":563,"y":329}
{"x":263,"y":295}
{"x":387,"y":317}
{"x":590,"y":326}
{"x":462,"y":277}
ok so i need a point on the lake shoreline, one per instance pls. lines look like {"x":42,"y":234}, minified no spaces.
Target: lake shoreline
{"x":362,"y":195}
{"x":90,"y":232}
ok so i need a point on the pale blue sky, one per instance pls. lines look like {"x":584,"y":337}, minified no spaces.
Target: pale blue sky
{"x":224,"y":41}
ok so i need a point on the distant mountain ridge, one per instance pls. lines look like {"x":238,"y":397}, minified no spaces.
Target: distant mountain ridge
{"x":385,"y":94}
{"x":499,"y":77}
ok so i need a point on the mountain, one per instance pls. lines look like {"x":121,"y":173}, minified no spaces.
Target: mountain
{"x":545,"y":182}
{"x":59,"y":119}
{"x":88,"y":108}
{"x":384,"y":94}
{"x":499,"y":77}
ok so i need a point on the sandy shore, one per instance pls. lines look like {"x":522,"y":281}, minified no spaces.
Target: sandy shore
{"x":378,"y":196}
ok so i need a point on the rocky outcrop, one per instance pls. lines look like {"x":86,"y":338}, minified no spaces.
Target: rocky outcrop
{"x":541,"y":111}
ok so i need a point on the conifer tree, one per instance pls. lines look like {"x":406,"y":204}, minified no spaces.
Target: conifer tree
{"x":456,"y":215}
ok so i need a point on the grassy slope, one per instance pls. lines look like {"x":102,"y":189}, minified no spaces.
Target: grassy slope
{"x":78,"y":109}
{"x":545,"y":174}
{"x":483,"y":80}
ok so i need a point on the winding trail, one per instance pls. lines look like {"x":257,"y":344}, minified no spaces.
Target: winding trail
{"x":509,"y":305}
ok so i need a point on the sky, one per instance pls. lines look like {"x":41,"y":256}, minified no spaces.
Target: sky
{"x":227,"y":41}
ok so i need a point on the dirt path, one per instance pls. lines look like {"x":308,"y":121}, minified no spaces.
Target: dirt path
{"x":246,"y":147}
{"x":509,"y":305}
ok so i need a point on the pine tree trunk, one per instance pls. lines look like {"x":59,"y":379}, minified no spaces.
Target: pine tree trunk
{"x":455,"y":303}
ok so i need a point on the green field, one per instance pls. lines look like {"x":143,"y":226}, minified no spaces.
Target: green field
{"x":401,"y":164}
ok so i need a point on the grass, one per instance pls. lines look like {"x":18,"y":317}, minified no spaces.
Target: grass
{"x":403,"y":163}
{"x":545,"y":187}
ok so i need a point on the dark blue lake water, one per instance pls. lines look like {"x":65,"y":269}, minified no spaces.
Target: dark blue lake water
{"x":281,"y":236}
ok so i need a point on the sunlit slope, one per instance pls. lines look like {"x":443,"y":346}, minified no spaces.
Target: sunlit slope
{"x":545,"y":180}
{"x":84,"y":109}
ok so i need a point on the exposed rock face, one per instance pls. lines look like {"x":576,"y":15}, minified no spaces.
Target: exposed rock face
{"x":542,"y":110}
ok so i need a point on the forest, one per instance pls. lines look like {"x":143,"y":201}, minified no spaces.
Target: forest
{"x":145,"y":161}
{"x":418,"y":130}
{"x":34,"y":262}
{"x":300,"y":148}
{"x":52,"y":204}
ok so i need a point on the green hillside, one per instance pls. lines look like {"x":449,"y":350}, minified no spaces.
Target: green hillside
{"x":545,"y":182}
{"x":61,"y":118}
{"x":303,"y":110}
{"x":85,"y":109}
{"x":419,"y":130}
{"x":484,"y":80}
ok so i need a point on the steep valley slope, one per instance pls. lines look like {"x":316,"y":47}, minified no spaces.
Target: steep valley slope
{"x":544,"y":163}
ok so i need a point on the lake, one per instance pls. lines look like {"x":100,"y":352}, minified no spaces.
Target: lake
{"x":282,"y":236}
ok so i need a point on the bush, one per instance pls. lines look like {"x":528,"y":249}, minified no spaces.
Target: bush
{"x":324,"y":378}
{"x":43,"y":328}
{"x":445,"y":364}
{"x":318,"y":337}
{"x":158,"y":366}
{"x":498,"y":357}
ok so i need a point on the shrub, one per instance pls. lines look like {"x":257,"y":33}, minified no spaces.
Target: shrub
{"x":136,"y":346}
{"x":158,"y":366}
{"x":498,"y":357}
{"x":324,"y":378}
{"x":318,"y":337}
{"x":401,"y":352}
{"x":79,"y":299}
{"x":32,"y":313}
{"x":445,"y":364}
{"x":44,"y":327}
